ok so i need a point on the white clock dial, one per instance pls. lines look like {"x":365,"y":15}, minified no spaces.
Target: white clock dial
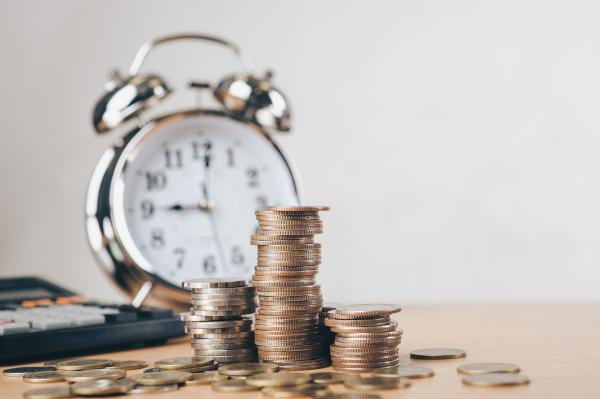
{"x":185,"y":193}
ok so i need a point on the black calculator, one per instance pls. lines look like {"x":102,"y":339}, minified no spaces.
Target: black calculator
{"x":40,"y":320}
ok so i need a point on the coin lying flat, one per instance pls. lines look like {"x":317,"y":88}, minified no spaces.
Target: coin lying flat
{"x":102,"y":387}
{"x":44,"y":377}
{"x":21,"y":371}
{"x":214,"y":283}
{"x":83,"y":364}
{"x":182,"y":362}
{"x":488,"y":368}
{"x":246,"y":369}
{"x":162,"y":377}
{"x":143,"y":389}
{"x":438,"y":353}
{"x":128,"y":364}
{"x":233,"y":386}
{"x":95,"y":374}
{"x":495,"y":380}
{"x":48,"y":393}
{"x":327,"y":377}
{"x":281,"y":379}
{"x":351,"y":395}
{"x":405,"y":372}
{"x":299,"y":391}
{"x":376,"y":382}
{"x":152,"y":370}
{"x":206,"y":378}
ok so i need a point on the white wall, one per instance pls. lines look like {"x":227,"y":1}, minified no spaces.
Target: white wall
{"x":457,"y":142}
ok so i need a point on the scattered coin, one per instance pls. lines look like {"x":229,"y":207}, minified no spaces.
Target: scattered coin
{"x":21,"y":371}
{"x":327,"y":377}
{"x":48,"y":393}
{"x":438,"y":353}
{"x":405,"y":372}
{"x":95,"y":374}
{"x":152,"y":370}
{"x":182,"y":362}
{"x":495,"y":380}
{"x":128,"y":364}
{"x":162,"y":377}
{"x":144,"y":389}
{"x":206,"y":378}
{"x":102,"y":387}
{"x":299,"y":391}
{"x":351,"y":395}
{"x":233,"y":386}
{"x":83,"y":364}
{"x":487,"y":368}
{"x":44,"y":377}
{"x":281,"y":379}
{"x":246,"y":369}
{"x":376,"y":382}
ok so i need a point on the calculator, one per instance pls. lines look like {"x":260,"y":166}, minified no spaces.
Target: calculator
{"x":41,"y":320}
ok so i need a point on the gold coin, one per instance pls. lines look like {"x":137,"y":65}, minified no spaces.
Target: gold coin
{"x":145,"y":389}
{"x":83,"y":364}
{"x":162,"y":377}
{"x":95,"y":374}
{"x":246,"y":369}
{"x":361,"y":311}
{"x":280,"y":379}
{"x":102,"y":387}
{"x":208,"y":377}
{"x":203,"y":283}
{"x":233,"y":386}
{"x":300,"y":209}
{"x":438,"y":353}
{"x":376,"y":382}
{"x":44,"y":377}
{"x":327,"y":377}
{"x":182,"y":362}
{"x":300,"y":391}
{"x":405,"y":372}
{"x":128,"y":364}
{"x":48,"y":393}
{"x":495,"y":380}
{"x":487,"y":368}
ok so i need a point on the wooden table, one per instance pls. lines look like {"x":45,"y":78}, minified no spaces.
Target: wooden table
{"x":557,"y":346}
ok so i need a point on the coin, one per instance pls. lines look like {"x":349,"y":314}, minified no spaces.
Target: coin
{"x":495,"y":380}
{"x":327,"y":378}
{"x":233,"y":386}
{"x":206,"y":378}
{"x":280,"y":379}
{"x":437,"y":353}
{"x":182,"y":362}
{"x":376,"y":382}
{"x":48,"y":393}
{"x":405,"y":372}
{"x":351,"y":395}
{"x":162,"y":377}
{"x":128,"y":364}
{"x":151,"y":370}
{"x":487,"y":368}
{"x":299,"y":209}
{"x":362,"y":329}
{"x":213,"y":283}
{"x":95,"y":374}
{"x":360,"y":311}
{"x":21,"y":371}
{"x":44,"y":376}
{"x":83,"y":364}
{"x":357,"y":322}
{"x":300,"y":391}
{"x":144,"y":389}
{"x":102,"y":387}
{"x":246,"y":369}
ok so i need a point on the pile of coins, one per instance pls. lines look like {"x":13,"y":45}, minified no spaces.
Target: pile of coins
{"x":365,"y":337}
{"x":218,"y":320}
{"x":287,"y":320}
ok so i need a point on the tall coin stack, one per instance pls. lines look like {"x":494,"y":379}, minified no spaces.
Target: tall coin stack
{"x":287,"y":320}
{"x":217,"y":322}
{"x":365,"y":337}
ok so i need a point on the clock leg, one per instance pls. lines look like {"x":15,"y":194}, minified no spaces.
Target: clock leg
{"x":142,"y":294}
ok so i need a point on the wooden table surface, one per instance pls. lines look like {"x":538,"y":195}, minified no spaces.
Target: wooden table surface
{"x":556,"y":345}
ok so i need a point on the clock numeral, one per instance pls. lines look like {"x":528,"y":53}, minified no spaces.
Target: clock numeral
{"x":252,"y":174}
{"x":180,"y":257}
{"x":147,"y":208}
{"x":173,"y":159}
{"x":237,"y":257}
{"x":209,"y":265}
{"x":261,"y":202}
{"x":155,"y":181}
{"x":197,"y":147}
{"x":157,"y":239}
{"x":230,"y":158}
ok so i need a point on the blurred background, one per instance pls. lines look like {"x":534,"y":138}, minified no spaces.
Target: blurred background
{"x":456,"y":142}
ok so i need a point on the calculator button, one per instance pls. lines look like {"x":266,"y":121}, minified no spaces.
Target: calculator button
{"x":84,"y":320}
{"x":121,"y":316}
{"x":13,"y":328}
{"x":49,"y":324}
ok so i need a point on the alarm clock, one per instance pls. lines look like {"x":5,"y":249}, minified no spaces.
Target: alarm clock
{"x":174,"y":198}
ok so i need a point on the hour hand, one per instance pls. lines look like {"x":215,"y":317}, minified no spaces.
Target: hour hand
{"x":202,"y":205}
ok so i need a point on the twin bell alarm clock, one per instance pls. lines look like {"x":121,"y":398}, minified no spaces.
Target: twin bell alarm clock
{"x":174,"y":198}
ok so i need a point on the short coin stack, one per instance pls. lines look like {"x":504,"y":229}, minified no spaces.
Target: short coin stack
{"x":366,"y":338}
{"x":217,"y":322}
{"x":287,"y":320}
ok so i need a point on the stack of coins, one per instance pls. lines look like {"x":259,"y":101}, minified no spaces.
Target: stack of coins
{"x":327,"y":336}
{"x":365,"y":337}
{"x":217,"y":322}
{"x":287,"y":320}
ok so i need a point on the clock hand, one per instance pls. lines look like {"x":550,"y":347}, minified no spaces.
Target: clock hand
{"x":211,"y":215}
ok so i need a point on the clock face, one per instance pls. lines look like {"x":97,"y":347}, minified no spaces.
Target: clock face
{"x":184,"y":194}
